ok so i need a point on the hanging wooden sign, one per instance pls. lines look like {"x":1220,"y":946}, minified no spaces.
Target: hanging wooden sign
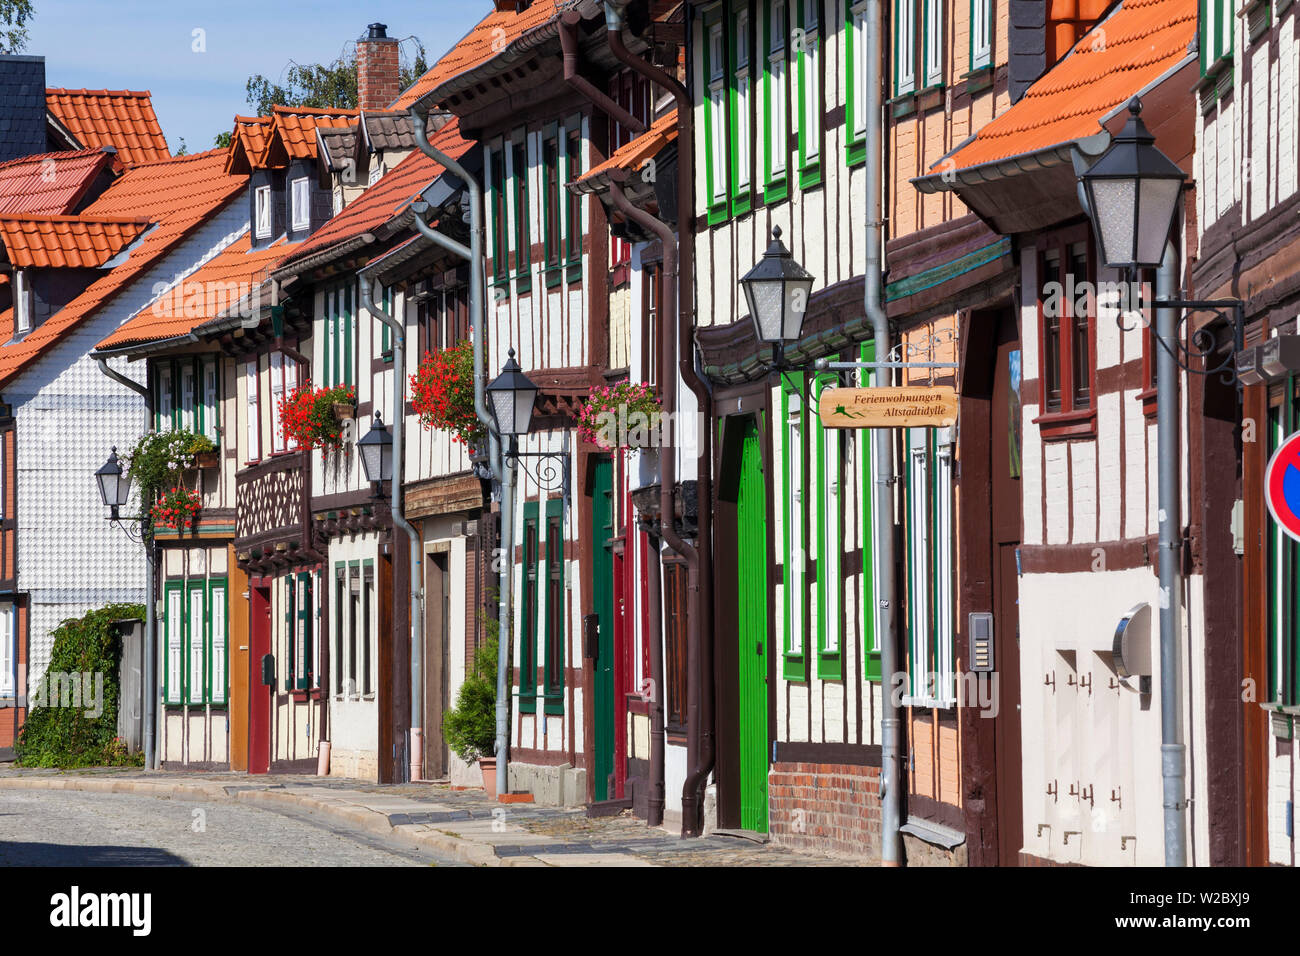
{"x":904,"y":406}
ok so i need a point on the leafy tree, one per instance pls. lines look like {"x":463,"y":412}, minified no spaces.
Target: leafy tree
{"x":323,"y":86}
{"x":222,"y":140}
{"x":14,"y":15}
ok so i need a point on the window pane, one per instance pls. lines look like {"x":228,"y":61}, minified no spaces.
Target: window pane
{"x":1052,"y":306}
{"x":1081,"y":357}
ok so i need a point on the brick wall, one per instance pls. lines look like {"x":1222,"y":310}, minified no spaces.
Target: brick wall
{"x":378,"y":73}
{"x":827,"y":808}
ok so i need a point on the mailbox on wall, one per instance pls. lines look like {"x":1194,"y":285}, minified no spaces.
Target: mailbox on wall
{"x":1131,"y":649}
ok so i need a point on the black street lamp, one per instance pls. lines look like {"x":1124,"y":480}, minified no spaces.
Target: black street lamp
{"x":512,"y":395}
{"x":377,"y":454}
{"x":1133,"y":196}
{"x":114,"y":485}
{"x":777,"y":290}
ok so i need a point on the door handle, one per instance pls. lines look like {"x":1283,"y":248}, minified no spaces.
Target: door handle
{"x":758,"y":647}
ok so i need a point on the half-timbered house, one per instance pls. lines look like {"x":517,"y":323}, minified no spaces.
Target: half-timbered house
{"x":1247,"y":243}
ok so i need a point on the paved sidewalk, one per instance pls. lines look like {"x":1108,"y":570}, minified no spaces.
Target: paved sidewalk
{"x":464,"y":824}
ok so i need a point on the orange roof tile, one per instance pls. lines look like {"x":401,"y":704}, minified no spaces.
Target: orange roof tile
{"x":388,"y":197}
{"x":1123,"y":54}
{"x":69,"y":242}
{"x":49,"y":184}
{"x":293,"y":134}
{"x":248,"y":143}
{"x":633,"y":154}
{"x":493,"y":34}
{"x":120,"y":118}
{"x":178,"y":194}
{"x":219,"y":284}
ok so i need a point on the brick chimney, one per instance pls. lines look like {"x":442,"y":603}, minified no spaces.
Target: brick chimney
{"x":22,"y":106}
{"x":378,"y":69}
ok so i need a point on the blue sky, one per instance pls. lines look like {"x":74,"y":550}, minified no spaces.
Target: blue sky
{"x":148,"y":45}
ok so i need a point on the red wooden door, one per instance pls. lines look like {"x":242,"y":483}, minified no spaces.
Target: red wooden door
{"x":259,"y":695}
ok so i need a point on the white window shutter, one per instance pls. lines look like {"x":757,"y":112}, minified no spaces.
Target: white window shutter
{"x":8,"y":651}
{"x":277,"y":395}
{"x":175,"y":646}
{"x":187,"y":396}
{"x":197,"y":625}
{"x":165,"y":402}
{"x":254,"y":451}
{"x":217,"y":621}
{"x":290,"y":383}
{"x":210,"y":402}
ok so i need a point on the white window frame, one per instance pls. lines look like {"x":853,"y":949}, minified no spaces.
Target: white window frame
{"x":196,"y":622}
{"x":719,"y":161}
{"x":8,"y":650}
{"x":929,"y":478}
{"x":796,"y":487}
{"x":262,"y":212}
{"x":904,"y":47}
{"x":300,"y":203}
{"x":277,"y":396}
{"x":810,"y":75}
{"x":166,"y":398}
{"x":211,"y":401}
{"x":217,"y":625}
{"x":933,"y":33}
{"x":744,"y":99}
{"x":981,"y":32}
{"x":777,"y":135}
{"x":252,"y":408}
{"x":24,"y":302}
{"x":858,"y":25}
{"x":831,"y":540}
{"x":174,"y":623}
{"x":187,"y":389}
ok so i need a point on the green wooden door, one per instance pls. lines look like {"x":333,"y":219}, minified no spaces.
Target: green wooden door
{"x":751,"y":575}
{"x":602,"y":525}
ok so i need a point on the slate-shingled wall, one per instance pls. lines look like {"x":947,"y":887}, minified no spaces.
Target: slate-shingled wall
{"x":22,"y":106}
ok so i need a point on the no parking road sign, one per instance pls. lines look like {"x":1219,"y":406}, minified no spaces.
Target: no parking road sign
{"x":1282,"y":486}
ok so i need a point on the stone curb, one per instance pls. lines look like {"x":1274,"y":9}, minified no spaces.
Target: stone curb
{"x":467,"y":851}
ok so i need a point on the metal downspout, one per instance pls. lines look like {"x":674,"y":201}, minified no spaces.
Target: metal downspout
{"x":476,"y":292}
{"x":569,"y":45}
{"x":700,"y":719}
{"x":150,"y":616}
{"x":1173,"y":753}
{"x":397,"y":421}
{"x":667,"y":474}
{"x":883,"y":456}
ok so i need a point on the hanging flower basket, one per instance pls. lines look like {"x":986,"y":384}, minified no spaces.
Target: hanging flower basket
{"x":177,"y":508}
{"x":308,"y":415}
{"x":344,"y":411}
{"x":207,"y":459}
{"x":626,"y":415}
{"x":442,"y":394}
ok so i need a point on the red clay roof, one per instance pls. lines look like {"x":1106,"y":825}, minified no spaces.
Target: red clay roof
{"x":632,"y":155}
{"x":293,"y":134}
{"x":177,"y":194}
{"x":489,"y":38}
{"x":218,"y":285}
{"x":50,"y":184}
{"x":1137,"y":44}
{"x":388,"y":197}
{"x":120,"y":118}
{"x":69,"y":242}
{"x":248,"y":141}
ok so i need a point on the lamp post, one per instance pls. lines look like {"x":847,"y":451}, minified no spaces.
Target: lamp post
{"x":1133,"y":193}
{"x":114,"y":491}
{"x":777,"y":290}
{"x":377,"y":454}
{"x":511,"y":398}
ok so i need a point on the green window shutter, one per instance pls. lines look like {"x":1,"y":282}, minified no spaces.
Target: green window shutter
{"x":334,"y":368}
{"x":528,"y":630}
{"x":218,"y":642}
{"x":349,"y":334}
{"x":870,"y":587}
{"x":555,"y":610}
{"x":574,"y":204}
{"x":385,"y":344}
{"x":829,"y":487}
{"x":303,"y":635}
{"x":715,"y":118}
{"x":794,"y":666}
{"x":523,"y":224}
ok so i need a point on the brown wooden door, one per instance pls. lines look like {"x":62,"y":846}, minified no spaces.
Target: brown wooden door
{"x":437,"y":630}
{"x":259,"y":694}
{"x":1006,"y":522}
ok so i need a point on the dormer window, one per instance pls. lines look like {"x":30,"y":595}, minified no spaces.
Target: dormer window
{"x":24,"y":302}
{"x":262,"y":209}
{"x":299,"y":199}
